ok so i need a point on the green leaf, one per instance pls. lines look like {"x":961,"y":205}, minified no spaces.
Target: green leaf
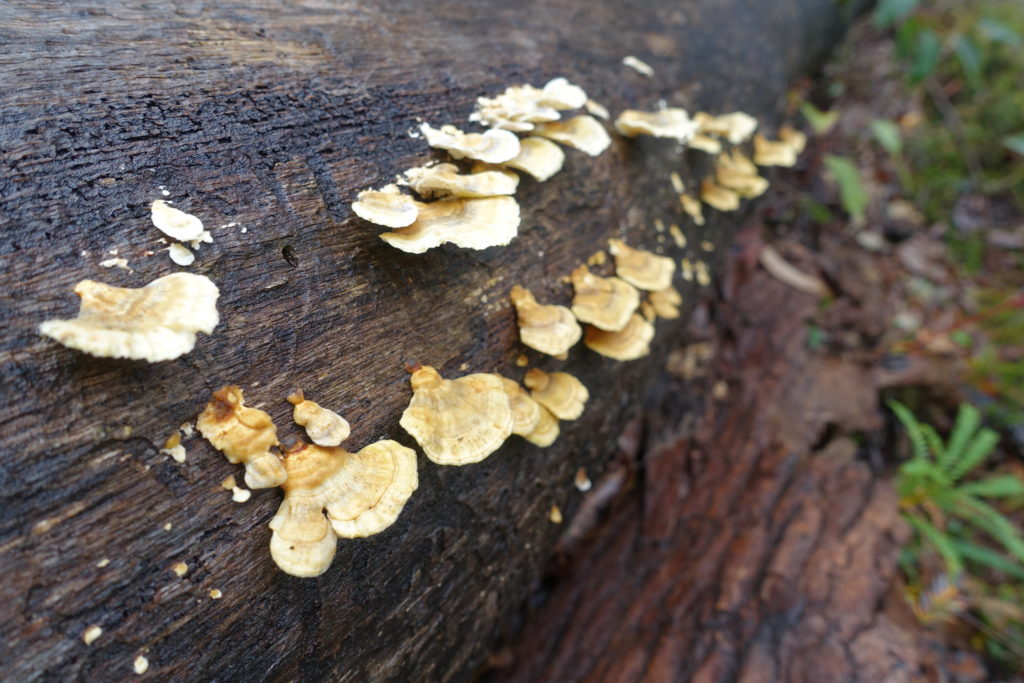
{"x":998,"y":32}
{"x":989,"y":558}
{"x":1014,"y":143}
{"x":888,"y":135}
{"x":821,"y":121}
{"x":913,"y":427}
{"x":999,"y":486}
{"x":932,"y":438}
{"x":992,"y":522}
{"x":942,"y":542}
{"x":967,"y":421}
{"x":926,"y":54}
{"x":851,"y":192}
{"x":890,"y":12}
{"x":970,"y":60}
{"x":979,"y":449}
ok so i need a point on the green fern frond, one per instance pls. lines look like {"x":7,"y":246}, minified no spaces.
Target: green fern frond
{"x":913,"y":427}
{"x":967,"y":422}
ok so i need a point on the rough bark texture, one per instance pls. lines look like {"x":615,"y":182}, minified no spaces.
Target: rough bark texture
{"x":270,"y":115}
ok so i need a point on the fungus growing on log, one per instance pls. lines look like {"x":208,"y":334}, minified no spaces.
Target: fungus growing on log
{"x":606,"y":302}
{"x":243,"y":435}
{"x":546,"y":431}
{"x":775,"y":152}
{"x":458,"y":421}
{"x":629,"y":343}
{"x":526,"y":412}
{"x":692,"y":207}
{"x":549,"y":329}
{"x":641,"y":268}
{"x":736,"y":172}
{"x":175,"y":223}
{"x":718,"y":197}
{"x":363,"y":493}
{"x":494,"y":146}
{"x":444,"y":180}
{"x":582,"y":132}
{"x":467,"y":223}
{"x":522,"y":106}
{"x":324,"y":427}
{"x":386,"y":206}
{"x":666,"y":303}
{"x":559,"y":392}
{"x":794,"y":139}
{"x":538,"y":157}
{"x":154,"y":323}
{"x":672,"y":123}
{"x":736,"y":127}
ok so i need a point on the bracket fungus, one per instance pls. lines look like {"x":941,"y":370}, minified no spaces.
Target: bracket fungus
{"x":386,"y":206}
{"x":629,"y":343}
{"x":796,"y":140}
{"x":175,"y":223}
{"x":638,"y":65}
{"x":559,"y":392}
{"x":324,"y":427}
{"x":549,"y":329}
{"x":666,"y":303}
{"x":243,"y":435}
{"x":519,"y":107}
{"x":641,"y":268}
{"x":705,"y":143}
{"x":538,"y":157}
{"x":775,"y":152}
{"x":582,"y":132}
{"x":526,"y":412}
{"x":691,"y":207}
{"x":606,"y":302}
{"x":736,"y":127}
{"x":546,"y":431}
{"x":718,"y":197}
{"x":363,"y":493}
{"x":739,"y":174}
{"x":155,"y":323}
{"x":672,"y":123}
{"x":468,"y":223}
{"x":494,"y":146}
{"x":444,"y":180}
{"x":457,"y":421}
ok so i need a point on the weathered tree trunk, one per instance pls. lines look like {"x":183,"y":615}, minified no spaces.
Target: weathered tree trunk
{"x":269,"y":116}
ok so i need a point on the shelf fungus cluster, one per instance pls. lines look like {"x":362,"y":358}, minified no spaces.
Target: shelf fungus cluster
{"x":155,"y":323}
{"x":329,"y":492}
{"x":180,"y":226}
{"x":473,"y":208}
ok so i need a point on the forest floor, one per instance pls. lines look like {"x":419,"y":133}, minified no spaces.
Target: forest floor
{"x":775,"y":532}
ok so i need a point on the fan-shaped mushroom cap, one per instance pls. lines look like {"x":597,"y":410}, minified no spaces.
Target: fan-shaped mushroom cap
{"x":549,"y":329}
{"x":630,"y":343}
{"x":796,"y":140}
{"x":705,"y":143}
{"x":444,"y":180}
{"x":666,"y":303}
{"x":467,"y":223}
{"x":606,"y":302}
{"x":324,"y":427}
{"x":539,"y":157}
{"x":736,"y":127}
{"x":386,"y":207}
{"x":774,"y":153}
{"x":641,"y":268}
{"x":718,"y":197}
{"x":546,"y":431}
{"x":493,"y":146}
{"x":665,"y":123}
{"x":243,"y":435}
{"x":363,"y":494}
{"x":521,"y":106}
{"x":526,"y":412}
{"x":692,"y":208}
{"x":459,"y":421}
{"x":154,"y":323}
{"x":175,"y":223}
{"x":561,"y":393}
{"x":582,"y":132}
{"x":738,"y":173}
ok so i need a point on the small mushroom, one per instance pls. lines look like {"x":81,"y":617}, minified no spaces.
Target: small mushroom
{"x":666,"y":303}
{"x":630,"y":343}
{"x":243,"y":435}
{"x":521,"y":106}
{"x":538,"y":157}
{"x":718,"y":197}
{"x":154,"y":323}
{"x":796,"y":140}
{"x":363,"y":493}
{"x":606,"y":302}
{"x":386,"y":207}
{"x":738,"y":173}
{"x":526,"y":412}
{"x":546,"y":431}
{"x":175,"y":223}
{"x":181,"y":255}
{"x":467,"y":223}
{"x":324,"y":427}
{"x":459,"y":421}
{"x":561,"y":393}
{"x":774,"y":153}
{"x":692,"y":208}
{"x":549,"y":329}
{"x":736,"y":127}
{"x":493,"y":146}
{"x":597,"y":109}
{"x":665,"y":123}
{"x":638,"y":65}
{"x":705,"y":143}
{"x":582,"y":132}
{"x":640,"y":268}
{"x":443,"y":180}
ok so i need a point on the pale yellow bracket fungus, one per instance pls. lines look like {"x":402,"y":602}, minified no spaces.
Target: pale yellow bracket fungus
{"x":582,"y":481}
{"x":677,"y":182}
{"x":640,"y":268}
{"x":387,"y":207}
{"x":546,"y":431}
{"x":459,"y":421}
{"x":638,"y":65}
{"x":90,"y":634}
{"x":606,"y":302}
{"x":526,"y":412}
{"x":773,"y":153}
{"x":173,"y":448}
{"x":718,"y":197}
{"x":175,"y":223}
{"x":363,"y":493}
{"x":561,"y":393}
{"x":736,"y":127}
{"x":692,"y":207}
{"x":630,"y":343}
{"x":324,"y":427}
{"x":555,"y":515}
{"x":702,"y":274}
{"x":243,"y":435}
{"x":597,"y":109}
{"x":521,"y":106}
{"x":686,"y":269}
{"x":672,"y":123}
{"x":582,"y":132}
{"x":538,"y":157}
{"x":155,"y":323}
{"x":738,"y":173}
{"x":467,"y":223}
{"x":796,"y":140}
{"x":444,"y":180}
{"x":494,"y":146}
{"x":181,"y":255}
{"x":666,"y":303}
{"x":549,"y":329}
{"x":140,"y":665}
{"x":705,"y":143}
{"x":677,"y":234}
